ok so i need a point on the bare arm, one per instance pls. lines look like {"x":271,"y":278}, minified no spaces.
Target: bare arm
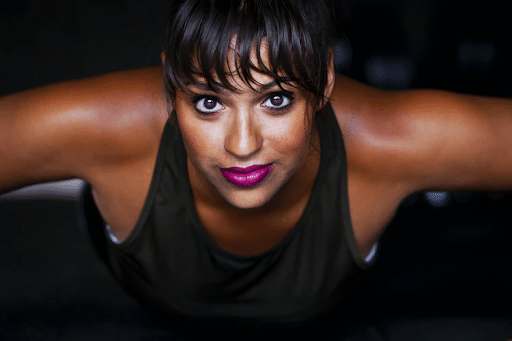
{"x":430,"y":139}
{"x":457,"y":142}
{"x":398,"y":143}
{"x":77,"y":128}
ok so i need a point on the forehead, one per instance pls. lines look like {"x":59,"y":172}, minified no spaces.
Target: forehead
{"x":257,"y":51}
{"x":237,"y":75}
{"x":258,"y":60}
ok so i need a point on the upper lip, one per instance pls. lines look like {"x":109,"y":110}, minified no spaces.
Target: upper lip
{"x":245,"y":170}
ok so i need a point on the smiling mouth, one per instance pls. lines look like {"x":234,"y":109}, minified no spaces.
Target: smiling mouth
{"x":246,"y":177}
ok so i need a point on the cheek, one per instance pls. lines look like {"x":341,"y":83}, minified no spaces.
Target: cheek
{"x":196,"y":137}
{"x":191,"y":135}
{"x":290,"y":136}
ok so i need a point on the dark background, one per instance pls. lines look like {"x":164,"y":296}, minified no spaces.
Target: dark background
{"x":444,"y":268}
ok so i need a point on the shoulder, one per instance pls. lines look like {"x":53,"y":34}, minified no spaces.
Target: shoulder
{"x":80,"y":128}
{"x":401,"y":142}
{"x":371,"y":124}
{"x":127,"y":111}
{"x":386,"y":132}
{"x":422,"y":139}
{"x":128,"y":115}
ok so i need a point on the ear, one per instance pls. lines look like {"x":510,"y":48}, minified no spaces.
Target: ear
{"x":331,"y":75}
{"x":162,"y":57}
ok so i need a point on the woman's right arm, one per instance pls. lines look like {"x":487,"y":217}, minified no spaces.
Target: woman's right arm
{"x":40,"y":131}
{"x":79,"y":128}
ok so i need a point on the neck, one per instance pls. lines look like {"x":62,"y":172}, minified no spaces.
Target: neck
{"x":252,"y":231}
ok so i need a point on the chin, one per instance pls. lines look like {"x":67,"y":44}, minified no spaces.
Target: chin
{"x":248,"y":200}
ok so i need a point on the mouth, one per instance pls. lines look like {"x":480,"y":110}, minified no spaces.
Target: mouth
{"x":246,"y":177}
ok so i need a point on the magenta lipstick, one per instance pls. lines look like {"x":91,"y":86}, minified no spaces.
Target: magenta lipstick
{"x":246,"y":177}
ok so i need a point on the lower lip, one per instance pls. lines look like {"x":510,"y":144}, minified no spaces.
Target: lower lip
{"x":248,"y":179}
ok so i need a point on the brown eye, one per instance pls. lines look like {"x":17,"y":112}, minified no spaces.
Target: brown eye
{"x":208,"y":105}
{"x":276,"y":100}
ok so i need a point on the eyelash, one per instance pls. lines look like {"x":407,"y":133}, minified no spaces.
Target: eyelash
{"x":195,"y":100}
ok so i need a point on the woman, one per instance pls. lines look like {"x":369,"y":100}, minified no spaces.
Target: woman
{"x":252,"y":190}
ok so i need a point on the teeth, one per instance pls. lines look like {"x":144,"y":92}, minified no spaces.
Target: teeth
{"x":251,"y":176}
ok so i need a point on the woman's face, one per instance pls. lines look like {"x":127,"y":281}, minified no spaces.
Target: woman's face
{"x":226,"y":132}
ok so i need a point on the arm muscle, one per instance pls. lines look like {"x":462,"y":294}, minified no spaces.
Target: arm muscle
{"x":76,"y":128}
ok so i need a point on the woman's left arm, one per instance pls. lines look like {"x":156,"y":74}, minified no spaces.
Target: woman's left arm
{"x":461,"y":142}
{"x":423,"y":140}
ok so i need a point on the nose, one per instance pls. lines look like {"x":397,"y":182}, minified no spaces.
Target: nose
{"x":243,"y":139}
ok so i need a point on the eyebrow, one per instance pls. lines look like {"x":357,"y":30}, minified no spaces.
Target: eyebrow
{"x":223,"y":89}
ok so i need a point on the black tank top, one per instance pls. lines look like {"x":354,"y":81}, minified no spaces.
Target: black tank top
{"x":172,"y":267}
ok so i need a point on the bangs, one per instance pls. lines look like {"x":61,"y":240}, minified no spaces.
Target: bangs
{"x":203,"y":35}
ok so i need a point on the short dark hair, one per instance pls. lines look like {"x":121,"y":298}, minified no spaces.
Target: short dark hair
{"x":200,"y":32}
